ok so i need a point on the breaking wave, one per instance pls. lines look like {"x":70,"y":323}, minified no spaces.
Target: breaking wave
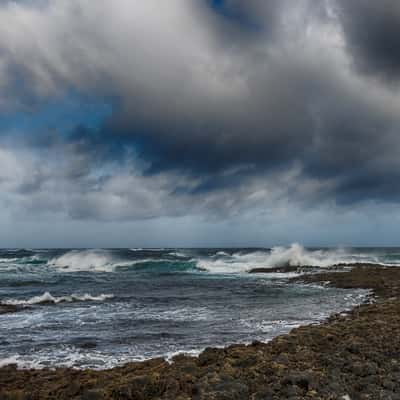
{"x":47,"y":298}
{"x":219,"y":262}
{"x":8,"y":260}
{"x":279,"y":257}
{"x":90,"y":261}
{"x":84,"y":260}
{"x":105,"y":261}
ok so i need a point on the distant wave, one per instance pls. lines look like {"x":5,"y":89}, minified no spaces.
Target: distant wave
{"x":48,"y":298}
{"x":220,"y":262}
{"x":148,"y":249}
{"x":22,"y":260}
{"x":222,"y":254}
{"x":8,"y":260}
{"x":292,"y":256}
{"x":177,"y":254}
{"x":102,"y":261}
{"x":87,"y":260}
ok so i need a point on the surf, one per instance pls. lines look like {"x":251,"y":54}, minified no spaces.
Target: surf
{"x":48,"y":298}
{"x":294,"y":255}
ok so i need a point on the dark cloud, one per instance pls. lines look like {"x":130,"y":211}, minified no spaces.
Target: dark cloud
{"x":372,"y":30}
{"x":221,"y":107}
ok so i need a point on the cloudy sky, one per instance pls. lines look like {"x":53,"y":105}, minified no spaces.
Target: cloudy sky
{"x":199,"y":122}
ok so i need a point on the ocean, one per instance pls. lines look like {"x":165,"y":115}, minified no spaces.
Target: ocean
{"x":100,"y":308}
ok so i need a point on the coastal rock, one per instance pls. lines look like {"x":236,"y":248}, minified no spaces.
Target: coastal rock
{"x":94,"y":394}
{"x":8,"y":308}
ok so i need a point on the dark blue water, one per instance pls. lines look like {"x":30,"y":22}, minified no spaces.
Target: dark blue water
{"x":101,"y":308}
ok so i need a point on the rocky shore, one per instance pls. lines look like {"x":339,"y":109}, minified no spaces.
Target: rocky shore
{"x":350,"y":356}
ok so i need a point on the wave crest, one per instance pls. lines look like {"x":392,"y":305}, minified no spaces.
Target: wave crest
{"x":86,"y":260}
{"x":46,"y":298}
{"x":297,"y":256}
{"x":278,"y":257}
{"x":106,"y":261}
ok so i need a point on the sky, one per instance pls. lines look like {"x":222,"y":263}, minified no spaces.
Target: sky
{"x":199,"y":123}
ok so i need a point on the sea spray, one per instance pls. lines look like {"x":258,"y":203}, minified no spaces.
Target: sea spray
{"x":292,"y":256}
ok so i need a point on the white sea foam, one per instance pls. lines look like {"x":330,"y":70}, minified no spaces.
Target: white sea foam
{"x":148,"y":249}
{"x":90,"y":260}
{"x":8,"y":361}
{"x":280,"y":275}
{"x":177,"y":254}
{"x":95,"y":261}
{"x":274,"y":327}
{"x":85,"y":260}
{"x":221,"y":254}
{"x":179,"y":314}
{"x":294,"y":256}
{"x":67,"y":357}
{"x":48,"y":298}
{"x":8,"y":260}
{"x":71,"y":357}
{"x":190,"y":353}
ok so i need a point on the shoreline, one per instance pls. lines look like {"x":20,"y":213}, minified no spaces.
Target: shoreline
{"x":356,"y":354}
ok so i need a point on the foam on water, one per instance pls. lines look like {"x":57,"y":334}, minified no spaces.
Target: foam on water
{"x":99,"y":261}
{"x":178,"y":314}
{"x":148,"y":249}
{"x":48,"y":298}
{"x":221,"y":262}
{"x":8,"y":361}
{"x":177,"y":254}
{"x":85,"y":260}
{"x":93,"y":261}
{"x":297,"y":256}
{"x":70,"y":357}
{"x":67,"y":357}
{"x":8,"y":260}
{"x":293,"y":256}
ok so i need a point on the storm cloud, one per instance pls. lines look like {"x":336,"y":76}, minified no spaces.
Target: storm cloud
{"x":372,"y":35}
{"x":219,"y":108}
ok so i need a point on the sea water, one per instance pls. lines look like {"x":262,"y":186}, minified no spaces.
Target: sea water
{"x":99,"y":308}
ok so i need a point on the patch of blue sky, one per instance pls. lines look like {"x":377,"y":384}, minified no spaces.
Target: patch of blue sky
{"x":222,"y":8}
{"x":61,"y":114}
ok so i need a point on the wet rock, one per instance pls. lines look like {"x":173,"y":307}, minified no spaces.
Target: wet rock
{"x":209,"y":356}
{"x":94,"y":394}
{"x":14,"y":395}
{"x":8,"y":309}
{"x":88,"y":345}
{"x":303,"y":380}
{"x":73,"y":388}
{"x":227,"y":390}
{"x":282,"y":359}
{"x":263,"y":394}
{"x":388,"y":384}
